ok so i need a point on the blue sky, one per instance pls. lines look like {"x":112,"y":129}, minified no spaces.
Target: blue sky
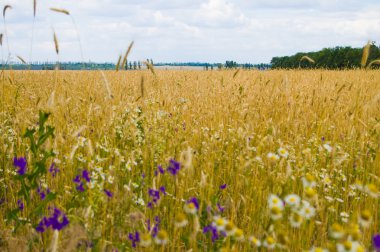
{"x":188,"y":30}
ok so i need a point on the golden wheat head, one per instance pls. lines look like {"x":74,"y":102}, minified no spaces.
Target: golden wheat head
{"x":373,"y":62}
{"x":56,"y":43}
{"x":5,"y":9}
{"x":60,"y":11}
{"x":307,"y":58}
{"x":126,"y":55}
{"x":365,"y":55}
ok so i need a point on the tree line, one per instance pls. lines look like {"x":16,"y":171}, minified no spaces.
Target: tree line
{"x":327,"y":58}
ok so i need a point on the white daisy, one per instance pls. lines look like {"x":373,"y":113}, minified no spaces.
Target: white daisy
{"x":292,"y":200}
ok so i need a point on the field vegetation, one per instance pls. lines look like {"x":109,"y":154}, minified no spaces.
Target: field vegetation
{"x":152,"y":160}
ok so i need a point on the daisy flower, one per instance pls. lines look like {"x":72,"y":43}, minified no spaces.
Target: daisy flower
{"x":309,"y":181}
{"x":273,"y":157}
{"x":145,"y":240}
{"x":230,"y":228}
{"x":292,"y":200}
{"x":283,"y":152}
{"x":180,"y":221}
{"x":239,"y":235}
{"x":372,"y":190}
{"x":275,"y":201}
{"x":336,"y":231}
{"x":295,"y":220}
{"x":307,"y":211}
{"x":255,"y":242}
{"x":275,"y":213}
{"x":310,"y":193}
{"x":191,"y":206}
{"x":219,"y":223}
{"x":161,"y":238}
{"x":269,"y":243}
{"x":349,"y":246}
{"x":365,"y":218}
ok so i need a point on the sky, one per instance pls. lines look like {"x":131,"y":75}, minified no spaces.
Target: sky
{"x":186,"y":30}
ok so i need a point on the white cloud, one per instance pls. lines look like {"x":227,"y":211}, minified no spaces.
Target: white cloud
{"x":211,"y":30}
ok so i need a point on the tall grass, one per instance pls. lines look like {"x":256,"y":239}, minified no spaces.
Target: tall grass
{"x":239,"y":138}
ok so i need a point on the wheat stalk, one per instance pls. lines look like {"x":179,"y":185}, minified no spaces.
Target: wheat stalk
{"x":60,"y":11}
{"x":142,"y":86}
{"x":373,"y":62}
{"x":118,"y":64}
{"x":1,"y":39}
{"x":126,"y":55}
{"x":34,"y":7}
{"x":22,"y":60}
{"x":5,"y":9}
{"x":236,"y":73}
{"x":150,"y":67}
{"x":307,"y":58}
{"x":365,"y":55}
{"x":106,"y":84}
{"x":56,"y":43}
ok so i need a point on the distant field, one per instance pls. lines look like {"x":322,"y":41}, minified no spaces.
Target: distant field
{"x":190,"y":160}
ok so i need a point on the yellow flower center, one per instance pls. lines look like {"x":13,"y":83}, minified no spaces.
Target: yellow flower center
{"x":145,"y":237}
{"x":162,"y":235}
{"x":180,"y":217}
{"x":191,"y":205}
{"x":347,"y":245}
{"x":366,"y":215}
{"x":219,"y":222}
{"x":270,"y":240}
{"x":275,"y":210}
{"x":309,"y":192}
{"x":372,"y":188}
{"x":230,"y":226}
{"x":239,"y":233}
{"x":309,"y":177}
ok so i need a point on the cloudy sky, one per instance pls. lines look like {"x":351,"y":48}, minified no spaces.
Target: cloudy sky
{"x":187,"y":30}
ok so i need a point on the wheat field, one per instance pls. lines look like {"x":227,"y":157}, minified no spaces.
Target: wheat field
{"x":190,"y":160}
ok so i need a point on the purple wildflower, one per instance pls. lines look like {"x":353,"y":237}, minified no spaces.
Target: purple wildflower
{"x":155,"y":230}
{"x":174,"y":167}
{"x":154,"y":194}
{"x":209,"y":209}
{"x":157,"y":220}
{"x":134,"y":238}
{"x":323,"y":139}
{"x":222,"y":187}
{"x":148,"y":224}
{"x":220,"y":208}
{"x":163,"y":190}
{"x":194,"y":201}
{"x":20,"y":205}
{"x":150,"y":205}
{"x":53,"y":169}
{"x":41,"y":227}
{"x":86,"y":175}
{"x":108,"y":193}
{"x":80,"y":187}
{"x":20,"y":163}
{"x":41,"y":192}
{"x":160,"y":169}
{"x":76,"y":179}
{"x":376,"y":242}
{"x":58,"y":220}
{"x":2,"y":200}
{"x":213,"y":230}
